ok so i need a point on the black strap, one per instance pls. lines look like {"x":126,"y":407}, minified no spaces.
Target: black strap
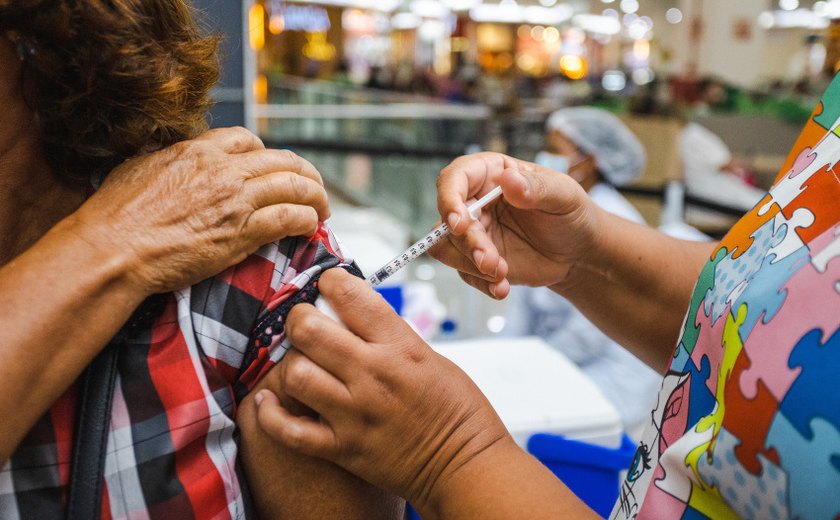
{"x":94,"y":416}
{"x":91,"y":439}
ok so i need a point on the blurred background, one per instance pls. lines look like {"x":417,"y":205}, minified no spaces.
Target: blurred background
{"x":381,"y":94}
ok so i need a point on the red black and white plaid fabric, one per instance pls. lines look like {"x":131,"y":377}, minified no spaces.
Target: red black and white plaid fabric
{"x":172,"y":451}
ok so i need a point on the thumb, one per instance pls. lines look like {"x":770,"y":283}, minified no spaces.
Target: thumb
{"x":360,"y":308}
{"x":541,"y":189}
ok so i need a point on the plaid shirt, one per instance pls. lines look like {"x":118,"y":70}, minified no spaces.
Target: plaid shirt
{"x":172,"y":448}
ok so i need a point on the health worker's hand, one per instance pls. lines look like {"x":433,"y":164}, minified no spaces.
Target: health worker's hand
{"x":391,"y":410}
{"x":544,"y":224}
{"x":187,"y":212}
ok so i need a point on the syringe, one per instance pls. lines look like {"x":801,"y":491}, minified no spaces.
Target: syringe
{"x":425,"y":243}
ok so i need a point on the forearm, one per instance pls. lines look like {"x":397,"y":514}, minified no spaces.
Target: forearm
{"x":288,"y":484}
{"x":62,"y":300}
{"x":503,"y":482}
{"x":635,"y":285}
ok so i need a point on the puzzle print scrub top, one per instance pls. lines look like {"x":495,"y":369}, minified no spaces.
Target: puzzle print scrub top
{"x":747,"y":423}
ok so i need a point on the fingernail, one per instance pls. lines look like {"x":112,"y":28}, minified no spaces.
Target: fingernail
{"x":259,"y":398}
{"x":493,"y":290}
{"x":478,"y":256}
{"x":453,"y":219}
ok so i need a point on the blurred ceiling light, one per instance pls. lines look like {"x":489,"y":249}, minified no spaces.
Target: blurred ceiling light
{"x":548,"y":3}
{"x":537,"y":32}
{"x":766,"y":20}
{"x":551,"y":35}
{"x":461,"y":5}
{"x":357,"y":20}
{"x":820,"y":8}
{"x":638,"y":29}
{"x":613,"y":81}
{"x":791,"y":19}
{"x":429,"y":9}
{"x":405,"y":21}
{"x":548,"y":15}
{"x":831,"y":9}
{"x":508,"y":4}
{"x":276,"y":24}
{"x":431,"y":30}
{"x":597,"y":24}
{"x":573,"y":66}
{"x":629,"y":6}
{"x":510,"y":12}
{"x":673,"y":15}
{"x":375,"y":5}
{"x":612,"y":13}
{"x":629,"y":18}
{"x":608,"y":1}
{"x":788,"y":5}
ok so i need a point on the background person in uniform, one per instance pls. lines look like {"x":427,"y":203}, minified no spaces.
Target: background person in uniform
{"x":596,"y":149}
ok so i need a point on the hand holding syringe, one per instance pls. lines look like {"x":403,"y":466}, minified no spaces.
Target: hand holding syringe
{"x":425,"y":243}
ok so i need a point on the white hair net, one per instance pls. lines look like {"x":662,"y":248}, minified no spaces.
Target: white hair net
{"x":618,"y":153}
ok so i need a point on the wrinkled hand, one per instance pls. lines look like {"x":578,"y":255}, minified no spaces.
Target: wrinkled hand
{"x":191,"y":210}
{"x":545,"y":223}
{"x":391,"y":410}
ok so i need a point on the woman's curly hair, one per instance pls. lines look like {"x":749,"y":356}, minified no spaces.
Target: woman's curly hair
{"x":107,"y":79}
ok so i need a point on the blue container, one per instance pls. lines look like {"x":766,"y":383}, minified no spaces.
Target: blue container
{"x":590,"y":471}
{"x":393,"y":295}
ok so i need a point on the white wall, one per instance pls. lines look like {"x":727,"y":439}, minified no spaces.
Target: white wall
{"x":745,"y":62}
{"x":721,"y":52}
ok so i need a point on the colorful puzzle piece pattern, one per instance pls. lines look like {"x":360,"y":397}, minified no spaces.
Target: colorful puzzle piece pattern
{"x":704,"y":284}
{"x":813,"y":479}
{"x":750,"y":495}
{"x":748,"y":421}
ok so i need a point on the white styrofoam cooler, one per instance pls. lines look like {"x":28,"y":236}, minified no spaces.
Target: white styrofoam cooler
{"x":536,"y":389}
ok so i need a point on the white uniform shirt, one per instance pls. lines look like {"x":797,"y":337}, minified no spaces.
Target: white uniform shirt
{"x":703,"y":156}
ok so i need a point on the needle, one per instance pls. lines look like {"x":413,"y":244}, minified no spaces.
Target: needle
{"x":425,"y":243}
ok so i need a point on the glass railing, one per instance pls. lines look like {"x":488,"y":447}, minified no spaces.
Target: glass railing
{"x":328,"y":113}
{"x":377,"y":148}
{"x":401,"y":184}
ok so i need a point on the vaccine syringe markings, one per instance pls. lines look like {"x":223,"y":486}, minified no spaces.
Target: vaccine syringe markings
{"x":417,"y":249}
{"x":427,"y":242}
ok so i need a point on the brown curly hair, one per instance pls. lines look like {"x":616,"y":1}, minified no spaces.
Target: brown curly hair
{"x":107,"y":79}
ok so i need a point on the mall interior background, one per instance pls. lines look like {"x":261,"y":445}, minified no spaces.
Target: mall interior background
{"x":381,"y":94}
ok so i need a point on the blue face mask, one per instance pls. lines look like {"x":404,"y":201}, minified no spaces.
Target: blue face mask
{"x":558,"y":163}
